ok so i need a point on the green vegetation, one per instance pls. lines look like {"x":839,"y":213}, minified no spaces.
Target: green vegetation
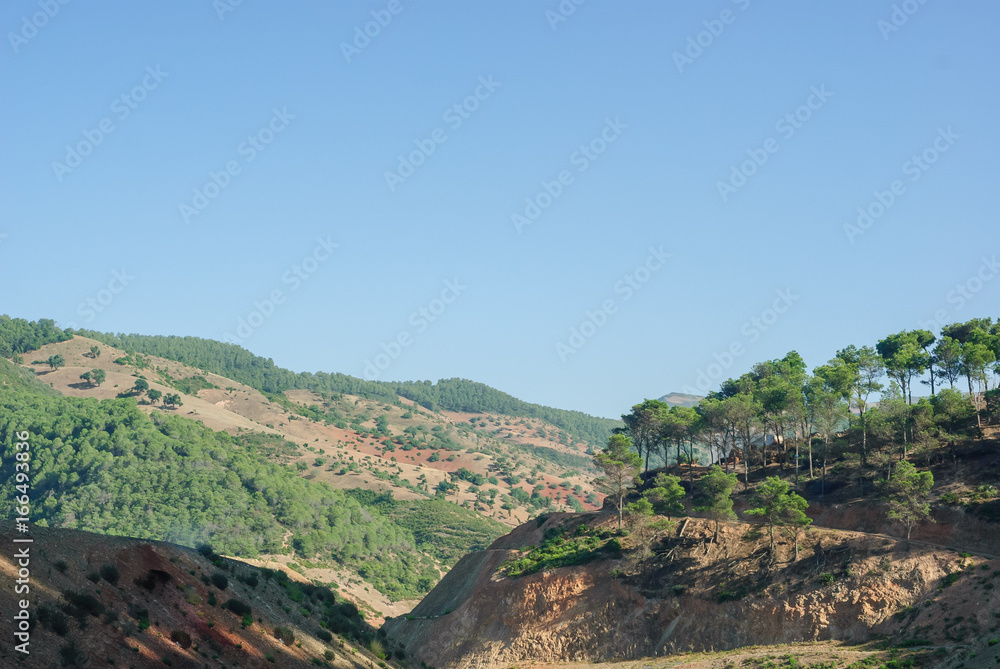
{"x":106,"y":467}
{"x":714,"y":498}
{"x":440,"y":528}
{"x":779,"y":507}
{"x":906,"y":493}
{"x":563,"y":549}
{"x":20,"y":336}
{"x":621,"y":469}
{"x":780,"y":419}
{"x":237,"y":363}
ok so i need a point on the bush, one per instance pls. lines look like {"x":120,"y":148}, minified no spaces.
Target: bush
{"x":220,"y":581}
{"x":80,"y":603}
{"x":377,"y":649}
{"x":285,"y":635}
{"x":950,"y":579}
{"x":323,"y":635}
{"x":238,"y":607}
{"x":826,"y":578}
{"x":53,"y":620}
{"x":110,"y":573}
{"x":153,"y":578}
{"x":181,"y":638}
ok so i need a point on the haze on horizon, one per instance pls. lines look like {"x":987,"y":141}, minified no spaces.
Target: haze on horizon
{"x":579,"y":204}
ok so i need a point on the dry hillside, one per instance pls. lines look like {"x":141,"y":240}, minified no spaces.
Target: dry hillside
{"x":690,"y":594}
{"x":113,"y":601}
{"x":337,"y":439}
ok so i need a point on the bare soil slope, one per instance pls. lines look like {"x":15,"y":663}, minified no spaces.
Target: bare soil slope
{"x":694,"y":595}
{"x":154,"y":607}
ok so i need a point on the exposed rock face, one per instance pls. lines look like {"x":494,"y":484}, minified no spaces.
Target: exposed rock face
{"x":477,"y":617}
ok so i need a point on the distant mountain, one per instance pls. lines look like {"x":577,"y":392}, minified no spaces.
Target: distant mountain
{"x":681,"y":399}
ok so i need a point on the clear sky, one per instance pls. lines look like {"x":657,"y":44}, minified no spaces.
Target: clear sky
{"x":595,"y":170}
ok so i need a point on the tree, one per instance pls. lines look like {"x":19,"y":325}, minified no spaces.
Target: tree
{"x":620,"y":465}
{"x":905,"y":356}
{"x":779,"y":507}
{"x":741,"y":412}
{"x":97,"y":376}
{"x":154,"y":395}
{"x":906,"y":495}
{"x":715,"y":491}
{"x":95,"y":352}
{"x":644,"y":426}
{"x":88,"y":377}
{"x":644,"y":524}
{"x":56,"y":361}
{"x":855,"y":373}
{"x":948,"y":357}
{"x":925,"y":338}
{"x":172,"y":400}
{"x":445,"y":487}
{"x":141,"y":386}
{"x":666,"y":495}
{"x":829,"y":411}
{"x":979,"y":347}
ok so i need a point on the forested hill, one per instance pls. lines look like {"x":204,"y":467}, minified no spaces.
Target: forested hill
{"x":239,"y":364}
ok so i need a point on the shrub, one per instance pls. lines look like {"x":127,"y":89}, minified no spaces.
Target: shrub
{"x":61,"y":566}
{"x":285,"y":635}
{"x":249,"y":577}
{"x":110,"y":573}
{"x":71,"y":656}
{"x":153,"y":578}
{"x":181,"y":638}
{"x":323,"y":635}
{"x":377,"y":649}
{"x":238,"y":607}
{"x":53,"y":620}
{"x":826,"y":578}
{"x":80,"y":603}
{"x":950,"y":579}
{"x":220,"y":581}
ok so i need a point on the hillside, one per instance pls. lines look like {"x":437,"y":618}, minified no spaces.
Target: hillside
{"x":358,"y":442}
{"x":682,"y":592}
{"x":237,"y":363}
{"x":111,"y":601}
{"x":431,"y":484}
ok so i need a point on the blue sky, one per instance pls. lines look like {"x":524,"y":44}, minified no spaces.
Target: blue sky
{"x":615,"y":123}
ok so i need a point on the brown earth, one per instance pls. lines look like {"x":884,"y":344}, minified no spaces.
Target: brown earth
{"x":233,"y":407}
{"x":176,"y":601}
{"x":694,"y":595}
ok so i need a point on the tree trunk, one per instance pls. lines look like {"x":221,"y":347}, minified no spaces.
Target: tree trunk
{"x":810,"y":457}
{"x":796,"y":462}
{"x":746,"y":471}
{"x":932,"y":376}
{"x":691,"y":463}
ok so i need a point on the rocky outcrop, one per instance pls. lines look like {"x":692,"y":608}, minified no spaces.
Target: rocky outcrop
{"x":704,"y":596}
